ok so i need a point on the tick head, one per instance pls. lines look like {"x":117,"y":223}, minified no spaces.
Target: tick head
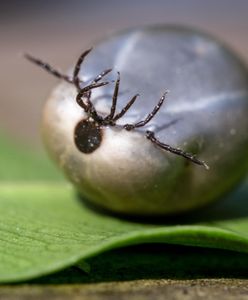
{"x":87,"y":136}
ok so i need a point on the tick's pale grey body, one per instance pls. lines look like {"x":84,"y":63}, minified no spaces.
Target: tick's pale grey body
{"x":206,"y":113}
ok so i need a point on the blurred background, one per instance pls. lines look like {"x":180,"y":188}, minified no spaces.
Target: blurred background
{"x":57,"y":31}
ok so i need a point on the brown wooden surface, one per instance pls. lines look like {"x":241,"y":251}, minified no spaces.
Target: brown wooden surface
{"x":134,"y":290}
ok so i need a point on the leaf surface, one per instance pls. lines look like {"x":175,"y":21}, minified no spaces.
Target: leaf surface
{"x":45,"y":228}
{"x":20,"y":162}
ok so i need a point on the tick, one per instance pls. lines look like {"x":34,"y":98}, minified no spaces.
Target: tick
{"x":110,"y":143}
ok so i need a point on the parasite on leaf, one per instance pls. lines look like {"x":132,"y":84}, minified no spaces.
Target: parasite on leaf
{"x":111,"y":144}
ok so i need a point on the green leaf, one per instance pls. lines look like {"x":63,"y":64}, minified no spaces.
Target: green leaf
{"x":19,"y":162}
{"x":45,"y":228}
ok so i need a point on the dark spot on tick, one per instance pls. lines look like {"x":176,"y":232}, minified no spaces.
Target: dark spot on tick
{"x":87,"y":136}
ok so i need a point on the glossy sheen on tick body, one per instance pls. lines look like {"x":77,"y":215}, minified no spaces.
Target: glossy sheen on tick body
{"x":205,"y":113}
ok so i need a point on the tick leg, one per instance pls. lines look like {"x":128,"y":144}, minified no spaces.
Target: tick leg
{"x":48,"y":68}
{"x":149,"y":117}
{"x":114,"y":99}
{"x":80,"y":100}
{"x":150,"y":136}
{"x":101,"y":75}
{"x":88,"y":107}
{"x":86,"y":91}
{"x":77,"y":68}
{"x":92,"y":86}
{"x":126,"y":108}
